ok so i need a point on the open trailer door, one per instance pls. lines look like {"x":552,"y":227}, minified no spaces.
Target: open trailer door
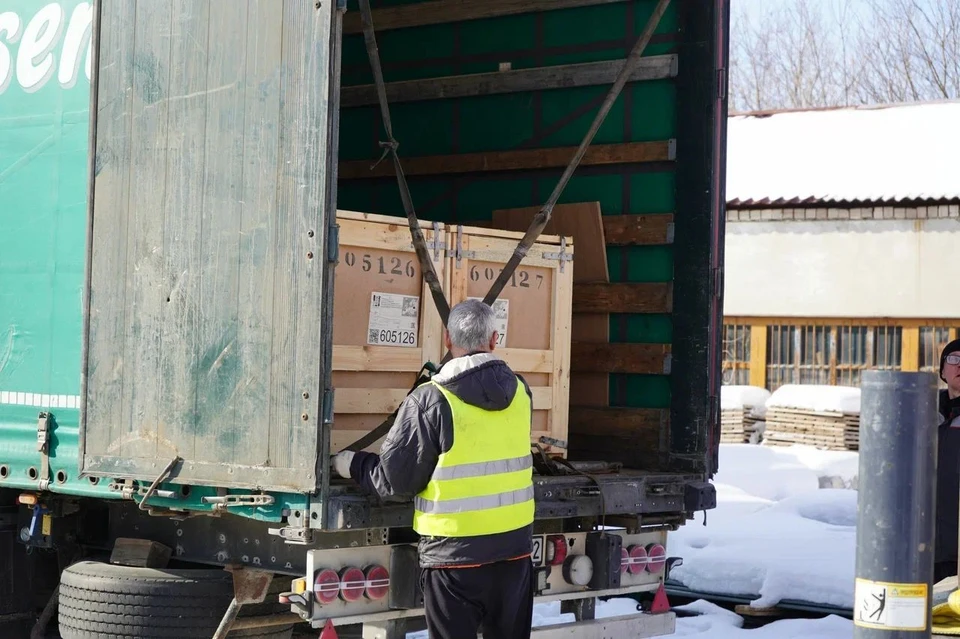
{"x":207,"y":242}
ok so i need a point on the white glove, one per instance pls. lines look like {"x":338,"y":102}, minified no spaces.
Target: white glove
{"x":341,"y":463}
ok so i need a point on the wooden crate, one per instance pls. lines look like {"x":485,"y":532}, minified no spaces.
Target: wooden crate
{"x":370,"y":377}
{"x":537,"y":304}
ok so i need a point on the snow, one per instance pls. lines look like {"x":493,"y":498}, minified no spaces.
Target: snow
{"x":775,"y":534}
{"x":844,"y":399}
{"x":754,"y":397}
{"x":780,"y":157}
{"x":711,"y":622}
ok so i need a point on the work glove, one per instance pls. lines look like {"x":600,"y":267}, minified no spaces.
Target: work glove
{"x":341,"y":463}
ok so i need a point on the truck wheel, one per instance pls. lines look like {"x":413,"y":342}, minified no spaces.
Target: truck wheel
{"x":105,"y":601}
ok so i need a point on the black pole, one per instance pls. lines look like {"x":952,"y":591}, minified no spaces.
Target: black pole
{"x":895,"y":522}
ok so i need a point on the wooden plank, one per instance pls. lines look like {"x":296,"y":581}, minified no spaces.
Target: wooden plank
{"x":623,"y":297}
{"x":758,"y":355}
{"x":259,"y":223}
{"x":145,"y":266}
{"x":638,"y":230}
{"x":515,"y":81}
{"x":102,"y":423}
{"x":616,"y":421}
{"x":379,"y":358}
{"x":445,"y":11}
{"x":527,"y":159}
{"x":217,"y":263}
{"x":652,"y":359}
{"x":583,"y":222}
{"x":910,"y":349}
{"x":140,"y":552}
{"x":184,"y":255}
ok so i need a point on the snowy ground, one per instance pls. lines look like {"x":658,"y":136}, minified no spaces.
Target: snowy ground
{"x":775,"y":534}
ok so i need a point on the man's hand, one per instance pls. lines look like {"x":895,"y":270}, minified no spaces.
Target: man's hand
{"x":341,"y":463}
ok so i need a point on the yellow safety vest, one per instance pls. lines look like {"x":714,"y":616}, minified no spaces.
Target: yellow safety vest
{"x":484,"y":484}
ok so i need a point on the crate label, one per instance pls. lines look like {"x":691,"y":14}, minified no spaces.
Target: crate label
{"x":393,"y":320}
{"x":890,"y":606}
{"x":501,"y":309}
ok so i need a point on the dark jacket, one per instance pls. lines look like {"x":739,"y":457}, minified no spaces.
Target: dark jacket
{"x":948,"y":480}
{"x":422,"y":431}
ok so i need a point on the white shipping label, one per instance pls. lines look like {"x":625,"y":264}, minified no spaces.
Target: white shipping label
{"x":394,"y":320}
{"x":501,"y":309}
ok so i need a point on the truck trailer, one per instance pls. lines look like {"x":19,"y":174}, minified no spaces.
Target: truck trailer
{"x":174,"y":175}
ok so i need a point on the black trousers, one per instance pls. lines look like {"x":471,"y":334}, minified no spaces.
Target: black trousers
{"x":496,"y":598}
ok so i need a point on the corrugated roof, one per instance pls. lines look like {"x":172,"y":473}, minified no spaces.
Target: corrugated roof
{"x":845,"y":155}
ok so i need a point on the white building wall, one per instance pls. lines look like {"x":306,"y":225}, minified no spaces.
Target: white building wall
{"x":842,"y":267}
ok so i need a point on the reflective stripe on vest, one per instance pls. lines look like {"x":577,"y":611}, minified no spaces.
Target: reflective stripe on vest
{"x":484,"y":484}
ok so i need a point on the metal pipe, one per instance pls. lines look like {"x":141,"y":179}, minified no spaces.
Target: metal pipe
{"x":226,"y":624}
{"x":895,"y":522}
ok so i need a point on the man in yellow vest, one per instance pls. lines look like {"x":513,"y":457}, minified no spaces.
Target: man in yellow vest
{"x":460,"y":449}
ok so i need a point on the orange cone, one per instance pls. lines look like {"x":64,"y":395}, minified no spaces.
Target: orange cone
{"x":660,"y":601}
{"x":328,"y":631}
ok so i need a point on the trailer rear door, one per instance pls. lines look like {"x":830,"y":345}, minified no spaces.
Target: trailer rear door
{"x":207,"y":239}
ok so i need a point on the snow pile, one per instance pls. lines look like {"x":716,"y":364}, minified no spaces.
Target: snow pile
{"x":840,"y":399}
{"x":753,"y":397}
{"x":710,"y":622}
{"x":775,"y":534}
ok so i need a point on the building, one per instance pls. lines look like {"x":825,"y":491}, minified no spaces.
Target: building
{"x":842,"y":242}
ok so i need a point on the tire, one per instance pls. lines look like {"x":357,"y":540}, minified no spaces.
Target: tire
{"x":104,"y":601}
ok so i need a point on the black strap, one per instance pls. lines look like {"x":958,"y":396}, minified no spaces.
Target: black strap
{"x":542,"y":217}
{"x":390,"y":146}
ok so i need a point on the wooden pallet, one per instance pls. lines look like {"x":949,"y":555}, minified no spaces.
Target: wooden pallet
{"x":737,"y":425}
{"x":821,"y":429}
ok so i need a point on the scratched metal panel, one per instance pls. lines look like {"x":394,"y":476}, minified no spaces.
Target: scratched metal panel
{"x":207,"y":242}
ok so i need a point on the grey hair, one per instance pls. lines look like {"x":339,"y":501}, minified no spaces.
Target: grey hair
{"x":471,"y":325}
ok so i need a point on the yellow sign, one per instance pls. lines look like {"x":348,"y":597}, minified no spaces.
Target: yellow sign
{"x":46,"y":524}
{"x":890,"y":606}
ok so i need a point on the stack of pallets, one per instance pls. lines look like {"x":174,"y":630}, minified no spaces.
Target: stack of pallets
{"x":831,"y":425}
{"x":738,"y":425}
{"x":742,"y":413}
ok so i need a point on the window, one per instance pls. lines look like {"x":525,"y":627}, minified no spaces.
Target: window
{"x":736,"y":354}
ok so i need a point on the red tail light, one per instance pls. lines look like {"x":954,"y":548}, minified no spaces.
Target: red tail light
{"x":377,"y":582}
{"x":326,"y":587}
{"x":352,"y":584}
{"x":656,"y":558}
{"x":556,"y":550}
{"x":636,"y":559}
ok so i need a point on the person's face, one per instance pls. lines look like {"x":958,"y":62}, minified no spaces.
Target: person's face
{"x":951,"y":371}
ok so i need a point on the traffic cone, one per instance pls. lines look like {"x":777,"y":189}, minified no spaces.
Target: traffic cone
{"x":660,"y":601}
{"x":328,"y":631}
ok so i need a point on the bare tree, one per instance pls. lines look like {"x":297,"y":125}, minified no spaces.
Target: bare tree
{"x":911,"y":50}
{"x":801,"y":54}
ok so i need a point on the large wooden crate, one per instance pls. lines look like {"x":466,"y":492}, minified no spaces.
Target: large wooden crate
{"x":385,"y":324}
{"x":534,"y":313}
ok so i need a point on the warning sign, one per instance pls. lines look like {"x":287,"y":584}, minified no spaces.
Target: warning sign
{"x":501,"y":309}
{"x":393,"y":320}
{"x":890,"y":606}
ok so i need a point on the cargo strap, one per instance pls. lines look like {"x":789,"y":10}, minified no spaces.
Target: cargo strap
{"x":390,"y":146}
{"x":542,"y":217}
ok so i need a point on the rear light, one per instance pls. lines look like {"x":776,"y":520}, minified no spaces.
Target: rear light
{"x":352,"y":584}
{"x":656,"y":557}
{"x":326,"y":587}
{"x":377,"y":583}
{"x":578,"y":570}
{"x":636,"y":559}
{"x":556,"y":550}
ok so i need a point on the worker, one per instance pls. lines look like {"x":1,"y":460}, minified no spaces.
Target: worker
{"x":948,"y":465}
{"x":460,"y":448}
